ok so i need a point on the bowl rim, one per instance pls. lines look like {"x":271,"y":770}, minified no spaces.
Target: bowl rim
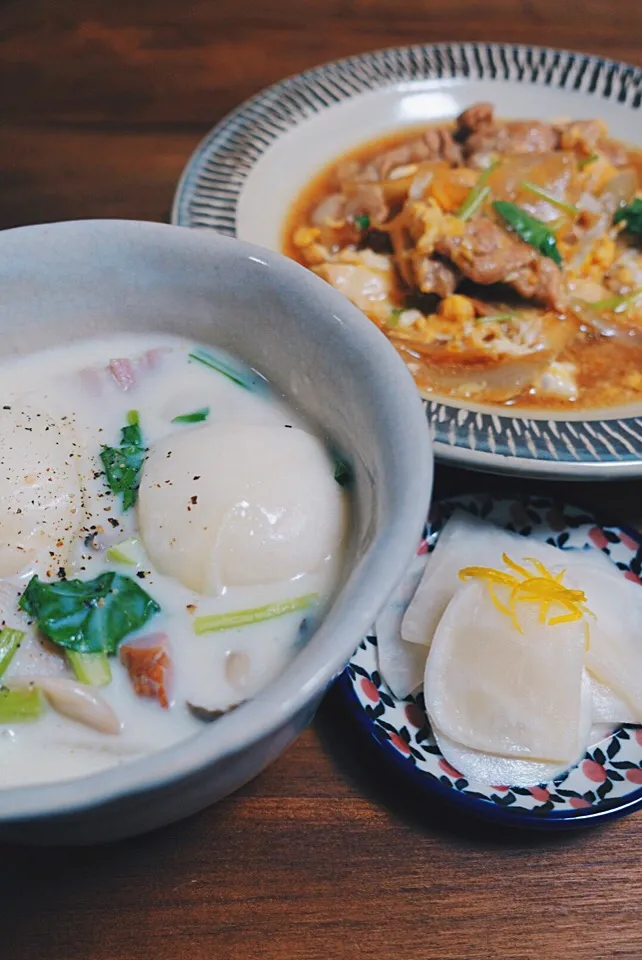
{"x":366,"y":587}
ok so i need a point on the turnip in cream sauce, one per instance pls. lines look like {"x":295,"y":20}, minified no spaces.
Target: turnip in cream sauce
{"x":168,"y":528}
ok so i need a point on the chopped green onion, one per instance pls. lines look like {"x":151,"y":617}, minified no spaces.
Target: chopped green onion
{"x":243,"y":618}
{"x":529,"y":229}
{"x":473,"y":202}
{"x":616,"y":303}
{"x":10,"y":640}
{"x":196,"y":417}
{"x":21,"y":704}
{"x":248,"y":380}
{"x":478,"y":194}
{"x":90,"y":668}
{"x":133,"y":418}
{"x":585,"y":161}
{"x":362,"y":222}
{"x":554,"y":202}
{"x":127,"y":551}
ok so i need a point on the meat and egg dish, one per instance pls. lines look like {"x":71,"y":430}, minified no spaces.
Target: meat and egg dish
{"x":501,"y":258}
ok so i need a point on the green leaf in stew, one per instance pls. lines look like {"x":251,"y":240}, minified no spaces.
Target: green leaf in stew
{"x":123,"y":464}
{"x":196,"y":417}
{"x":88,"y":616}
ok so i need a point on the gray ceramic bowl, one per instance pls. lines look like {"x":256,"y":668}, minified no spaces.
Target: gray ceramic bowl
{"x":68,"y":281}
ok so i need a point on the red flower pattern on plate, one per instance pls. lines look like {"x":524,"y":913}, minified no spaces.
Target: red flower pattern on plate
{"x":369,"y":689}
{"x":594,"y":771}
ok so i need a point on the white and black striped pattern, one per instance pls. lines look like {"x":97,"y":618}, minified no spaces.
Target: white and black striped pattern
{"x":213,"y":180}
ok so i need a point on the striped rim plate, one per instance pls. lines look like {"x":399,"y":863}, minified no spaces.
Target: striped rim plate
{"x":244,"y":175}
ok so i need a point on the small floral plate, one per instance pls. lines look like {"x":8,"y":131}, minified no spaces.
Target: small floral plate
{"x":605,"y":783}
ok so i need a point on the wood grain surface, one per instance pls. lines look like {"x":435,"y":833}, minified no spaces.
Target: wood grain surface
{"x":322,"y":857}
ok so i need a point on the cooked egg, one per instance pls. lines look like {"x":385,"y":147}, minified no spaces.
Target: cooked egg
{"x":40,"y":492}
{"x":233,"y":505}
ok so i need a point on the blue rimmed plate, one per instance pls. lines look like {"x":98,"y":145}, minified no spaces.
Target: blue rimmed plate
{"x":605,"y":783}
{"x":245,"y":174}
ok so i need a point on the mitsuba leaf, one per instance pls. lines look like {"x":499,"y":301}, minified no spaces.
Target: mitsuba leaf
{"x":529,"y":229}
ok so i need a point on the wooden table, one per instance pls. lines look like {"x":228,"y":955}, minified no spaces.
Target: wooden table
{"x":321,"y":858}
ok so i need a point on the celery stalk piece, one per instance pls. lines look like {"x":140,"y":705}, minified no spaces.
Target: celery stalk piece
{"x":243,"y":618}
{"x":10,"y":640}
{"x":21,"y":704}
{"x":128,"y":551}
{"x":90,"y":668}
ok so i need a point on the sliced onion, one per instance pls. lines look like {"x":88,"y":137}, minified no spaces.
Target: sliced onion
{"x":619,"y":191}
{"x":472,"y":372}
{"x":497,"y":382}
{"x":606,"y":326}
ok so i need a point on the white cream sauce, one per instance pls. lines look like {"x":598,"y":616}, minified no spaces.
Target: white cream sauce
{"x":74,"y":387}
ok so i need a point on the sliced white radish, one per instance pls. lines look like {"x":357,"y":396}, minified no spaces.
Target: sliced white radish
{"x":401,"y":664}
{"x":614,"y":655}
{"x":468,"y":541}
{"x":607,"y":707}
{"x":493,"y":688}
{"x":492,"y":769}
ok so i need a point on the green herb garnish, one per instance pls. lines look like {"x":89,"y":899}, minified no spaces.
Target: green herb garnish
{"x":243,"y":618}
{"x":585,"y":161}
{"x":393,"y":319}
{"x":242,"y":377}
{"x":478,"y":194}
{"x":615,"y":303}
{"x":10,"y":640}
{"x":123,"y":464}
{"x":196,"y":417}
{"x":342,"y":472}
{"x":554,"y":202}
{"x":88,"y":616}
{"x":631,"y":216}
{"x":362,"y":222}
{"x":529,"y":229}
